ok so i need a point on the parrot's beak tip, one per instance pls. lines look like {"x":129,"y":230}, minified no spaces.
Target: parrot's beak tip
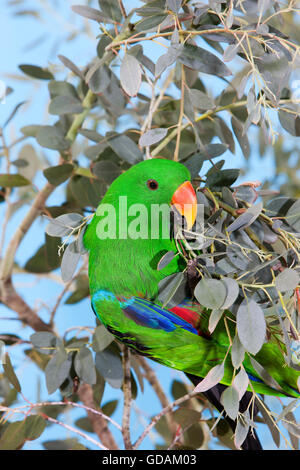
{"x":185,"y":201}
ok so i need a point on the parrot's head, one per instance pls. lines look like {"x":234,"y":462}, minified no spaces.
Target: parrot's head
{"x":131,"y":228}
{"x":156,"y":181}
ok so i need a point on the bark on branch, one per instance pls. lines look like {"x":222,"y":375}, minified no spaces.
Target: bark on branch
{"x":37,"y":206}
{"x":14,"y":301}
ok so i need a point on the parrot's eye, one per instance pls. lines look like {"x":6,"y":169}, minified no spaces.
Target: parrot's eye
{"x":152,"y":184}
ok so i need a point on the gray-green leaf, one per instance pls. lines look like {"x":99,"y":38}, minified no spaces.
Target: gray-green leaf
{"x":214,"y":319}
{"x":63,"y":224}
{"x":130,"y":75}
{"x":201,"y":100}
{"x":167,"y":59}
{"x":241,"y":382}
{"x":69,"y":262}
{"x":34,"y":427}
{"x":152,"y":136}
{"x":101,"y":338}
{"x":242,"y":428}
{"x":125,"y":148}
{"x":57,"y":370}
{"x":288,"y":279}
{"x":35,"y":71}
{"x":251,"y":325}
{"x":211,"y":293}
{"x":58,"y":174}
{"x":165,"y":260}
{"x":84,"y":366}
{"x":10,"y":373}
{"x":197,"y":58}
{"x":242,"y":138}
{"x":12,"y":181}
{"x":247,"y":218}
{"x":44,"y":341}
{"x":237,"y":352}
{"x":230,"y":401}
{"x":293,"y":215}
{"x":52,"y":137}
{"x":174,"y":5}
{"x":65,"y":105}
{"x":232,"y":291}
{"x":172,"y":290}
{"x":110,"y":367}
{"x":91,"y":13}
{"x":264,"y":374}
{"x":99,"y":80}
{"x":13,"y":436}
{"x":213,"y":377}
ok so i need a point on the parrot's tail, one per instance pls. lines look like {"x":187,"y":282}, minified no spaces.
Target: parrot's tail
{"x":214,"y":396}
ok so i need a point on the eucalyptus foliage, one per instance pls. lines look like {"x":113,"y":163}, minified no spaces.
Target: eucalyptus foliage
{"x":129,"y":102}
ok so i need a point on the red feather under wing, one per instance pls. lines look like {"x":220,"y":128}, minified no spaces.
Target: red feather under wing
{"x":186,"y":314}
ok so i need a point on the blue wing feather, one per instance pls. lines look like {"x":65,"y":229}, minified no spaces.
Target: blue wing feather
{"x":154,"y":316}
{"x":146,"y":313}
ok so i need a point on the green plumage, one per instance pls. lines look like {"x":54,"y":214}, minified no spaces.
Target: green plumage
{"x":128,"y":267}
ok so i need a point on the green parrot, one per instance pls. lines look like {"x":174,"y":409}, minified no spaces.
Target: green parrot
{"x":124,"y":252}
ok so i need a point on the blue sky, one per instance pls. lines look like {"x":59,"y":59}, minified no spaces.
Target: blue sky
{"x":16,"y":34}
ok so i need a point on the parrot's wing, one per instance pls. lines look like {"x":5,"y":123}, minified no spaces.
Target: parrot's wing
{"x":147,"y":313}
{"x":178,"y":337}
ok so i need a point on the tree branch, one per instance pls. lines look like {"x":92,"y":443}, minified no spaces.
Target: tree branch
{"x":14,"y":301}
{"x":122,"y":8}
{"x":25,"y":412}
{"x":38,"y":204}
{"x":163,"y":412}
{"x":153,"y":381}
{"x":76,"y":431}
{"x":99,"y":423}
{"x":127,"y":399}
{"x":155,"y":384}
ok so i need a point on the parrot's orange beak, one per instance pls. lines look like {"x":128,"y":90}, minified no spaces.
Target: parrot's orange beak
{"x":185,"y":201}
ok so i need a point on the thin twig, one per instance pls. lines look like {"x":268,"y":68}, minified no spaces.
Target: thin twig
{"x":65,"y":289}
{"x":122,"y":8}
{"x":179,"y":126}
{"x":148,"y":121}
{"x":58,"y":301}
{"x":163,"y":412}
{"x":25,"y":412}
{"x":76,"y":405}
{"x":7,"y":191}
{"x":153,"y":381}
{"x":203,"y":116}
{"x":80,"y":433}
{"x":187,"y":33}
{"x":98,"y":422}
{"x":34,"y":211}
